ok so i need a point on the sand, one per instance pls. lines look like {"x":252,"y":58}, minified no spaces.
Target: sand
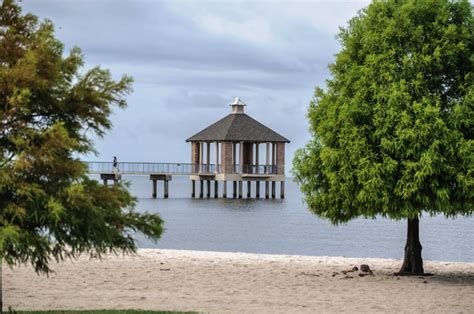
{"x":239,"y":282}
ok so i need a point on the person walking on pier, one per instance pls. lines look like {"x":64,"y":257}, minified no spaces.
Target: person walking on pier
{"x":115,"y":165}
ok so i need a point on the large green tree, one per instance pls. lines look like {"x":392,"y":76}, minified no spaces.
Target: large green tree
{"x":393,"y":129}
{"x":49,"y":109}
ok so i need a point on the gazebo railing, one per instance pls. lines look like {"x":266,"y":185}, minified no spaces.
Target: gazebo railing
{"x":254,"y":169}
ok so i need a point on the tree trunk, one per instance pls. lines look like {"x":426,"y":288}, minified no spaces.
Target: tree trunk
{"x":413,"y":263}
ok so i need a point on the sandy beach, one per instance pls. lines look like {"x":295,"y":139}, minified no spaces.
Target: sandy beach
{"x":239,"y":282}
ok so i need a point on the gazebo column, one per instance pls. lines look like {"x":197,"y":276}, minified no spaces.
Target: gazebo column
{"x":234,"y":168}
{"x":201,"y":156}
{"x":226,"y":163}
{"x":208,"y":168}
{"x":195,"y":156}
{"x":274,"y":158}
{"x":241,"y":162}
{"x":216,"y":170}
{"x":257,"y":183}
{"x":234,"y":157}
{"x":257,"y":156}
{"x":280,"y":161}
{"x":274,"y":168}
{"x":208,"y":157}
{"x":267,"y":170}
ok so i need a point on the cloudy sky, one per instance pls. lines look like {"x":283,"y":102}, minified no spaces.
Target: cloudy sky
{"x":189,"y":59}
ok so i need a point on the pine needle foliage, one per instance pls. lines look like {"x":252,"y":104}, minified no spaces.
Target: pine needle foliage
{"x":392,"y":132}
{"x":49,"y":208}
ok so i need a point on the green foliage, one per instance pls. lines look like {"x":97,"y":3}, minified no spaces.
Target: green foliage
{"x":49,"y":208}
{"x":393,"y":130}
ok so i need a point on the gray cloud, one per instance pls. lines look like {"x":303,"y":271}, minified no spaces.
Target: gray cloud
{"x":190,"y":58}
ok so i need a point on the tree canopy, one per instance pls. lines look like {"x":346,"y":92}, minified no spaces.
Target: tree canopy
{"x":49,"y":109}
{"x":392,"y":132}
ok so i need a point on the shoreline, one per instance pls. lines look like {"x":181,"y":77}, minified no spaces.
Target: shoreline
{"x":204,"y":281}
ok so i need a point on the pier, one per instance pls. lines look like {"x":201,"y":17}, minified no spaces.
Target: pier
{"x":236,"y":149}
{"x":201,"y":173}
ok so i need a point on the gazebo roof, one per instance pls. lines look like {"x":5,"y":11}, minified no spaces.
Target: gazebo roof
{"x":237,"y":127}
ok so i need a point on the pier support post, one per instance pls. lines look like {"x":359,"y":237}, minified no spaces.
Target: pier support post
{"x":249,"y":189}
{"x":234,"y":192}
{"x":282,"y":190}
{"x":216,"y":189}
{"x":257,"y":189}
{"x":273,"y":189}
{"x":267,"y":186}
{"x":208,"y":192}
{"x":110,"y":176}
{"x":201,"y":191}
{"x":193,"y":193}
{"x":154,"y":189}
{"x":166,"y":185}
{"x":240,"y":189}
{"x":224,"y":188}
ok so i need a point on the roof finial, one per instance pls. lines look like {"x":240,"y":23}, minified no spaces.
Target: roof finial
{"x":237,"y":105}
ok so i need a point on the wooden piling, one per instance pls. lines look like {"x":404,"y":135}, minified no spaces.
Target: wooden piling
{"x":267,"y":187}
{"x":240,"y":189}
{"x":234,"y":192}
{"x":224,"y":189}
{"x":166,"y":190}
{"x":193,"y":194}
{"x":282,"y":190}
{"x":216,"y":189}
{"x":273,"y":189}
{"x":249,"y":189}
{"x":208,"y":191}
{"x":154,"y":189}
{"x":201,"y":191}
{"x":257,"y":189}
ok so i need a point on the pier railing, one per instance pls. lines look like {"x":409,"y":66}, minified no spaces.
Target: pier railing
{"x":98,"y":167}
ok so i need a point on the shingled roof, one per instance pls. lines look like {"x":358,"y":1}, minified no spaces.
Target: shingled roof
{"x":237,"y":127}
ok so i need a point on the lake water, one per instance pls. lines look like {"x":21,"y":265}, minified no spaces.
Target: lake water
{"x":286,"y":226}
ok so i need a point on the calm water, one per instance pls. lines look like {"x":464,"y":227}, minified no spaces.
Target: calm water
{"x":287,"y":227}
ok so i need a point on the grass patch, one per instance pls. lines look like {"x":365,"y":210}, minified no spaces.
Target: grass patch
{"x":100,"y":312}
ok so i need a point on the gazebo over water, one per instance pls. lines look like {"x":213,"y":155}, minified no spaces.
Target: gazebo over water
{"x":238,"y":143}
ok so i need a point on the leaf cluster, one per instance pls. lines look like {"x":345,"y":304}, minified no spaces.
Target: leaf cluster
{"x":393,"y":130}
{"x":49,"y":208}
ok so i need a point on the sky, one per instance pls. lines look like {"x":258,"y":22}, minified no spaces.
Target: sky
{"x":189,"y":59}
